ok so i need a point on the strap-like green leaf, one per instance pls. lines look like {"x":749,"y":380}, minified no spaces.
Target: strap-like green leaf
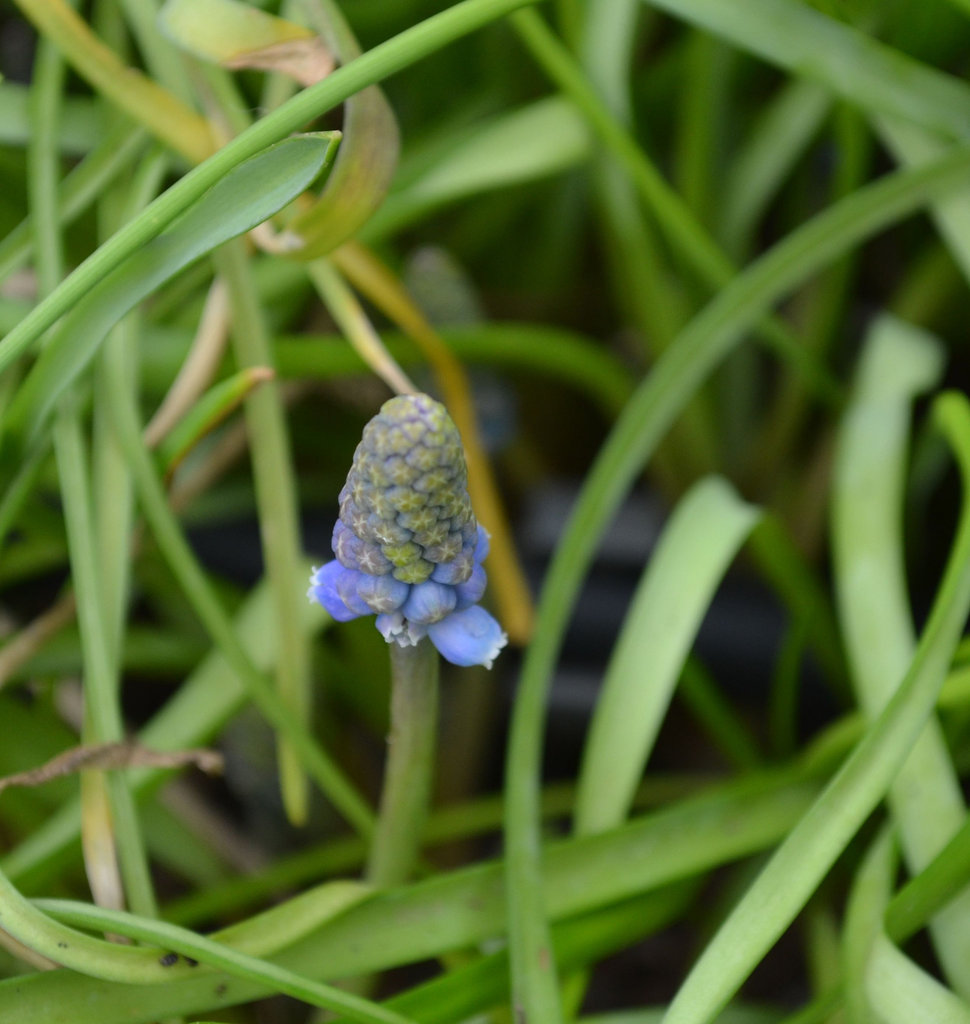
{"x":898,"y":363}
{"x":247,"y":195}
{"x":862,"y":70}
{"x":801,"y":862}
{"x":697,"y":545}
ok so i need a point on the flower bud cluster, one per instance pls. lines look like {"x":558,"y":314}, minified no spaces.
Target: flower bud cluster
{"x":408,"y":548}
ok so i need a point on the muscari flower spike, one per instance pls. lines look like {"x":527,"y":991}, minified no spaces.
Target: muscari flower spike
{"x":408,"y":548}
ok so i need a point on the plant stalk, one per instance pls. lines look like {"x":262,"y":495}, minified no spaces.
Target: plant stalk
{"x":410,"y":764}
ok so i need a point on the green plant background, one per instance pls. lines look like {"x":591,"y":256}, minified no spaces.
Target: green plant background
{"x":714,"y":253}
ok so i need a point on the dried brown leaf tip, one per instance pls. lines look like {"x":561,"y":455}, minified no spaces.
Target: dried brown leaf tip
{"x":306,"y":61}
{"x":112,"y":757}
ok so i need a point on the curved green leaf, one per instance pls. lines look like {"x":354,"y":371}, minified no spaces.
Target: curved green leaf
{"x":542,"y":139}
{"x":693,"y":553}
{"x":396,"y":53}
{"x":649,"y":414}
{"x":876,"y":77}
{"x":803,"y":859}
{"x":457,"y":909}
{"x":247,"y":195}
{"x":898,"y":363}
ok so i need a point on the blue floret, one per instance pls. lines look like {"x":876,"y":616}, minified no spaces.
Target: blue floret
{"x":448,"y":614}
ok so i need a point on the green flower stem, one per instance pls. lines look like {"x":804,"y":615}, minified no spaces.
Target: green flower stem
{"x":397,"y":53}
{"x":277,"y":505}
{"x":409,"y":770}
{"x":206,"y":605}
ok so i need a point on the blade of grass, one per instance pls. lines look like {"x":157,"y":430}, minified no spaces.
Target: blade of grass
{"x":211,"y":409}
{"x":278,"y":509}
{"x":901,"y":992}
{"x":81,"y":132}
{"x":365,"y":166}
{"x":208,"y":698}
{"x":898,"y":363}
{"x":866,"y":905}
{"x":707,"y":702}
{"x":639,"y":268}
{"x":912,"y":145}
{"x":778,"y":139}
{"x":162,"y":59}
{"x":803,"y":859}
{"x":116,"y":859}
{"x":703,"y":535}
{"x":941,"y":881}
{"x":244,"y":198}
{"x":562,"y":355}
{"x":864,"y":71}
{"x":881,"y":980}
{"x":378,"y":63}
{"x":684,"y":233}
{"x":349,"y":316}
{"x":207,"y":606}
{"x":544,"y":138}
{"x":103,"y":722}
{"x":76,"y":192}
{"x":731,"y":1015}
{"x":458,"y":909}
{"x":703,"y":115}
{"x":130,"y":90}
{"x":464,"y":991}
{"x":193,"y":947}
{"x":827,"y":311}
{"x":648,"y":415}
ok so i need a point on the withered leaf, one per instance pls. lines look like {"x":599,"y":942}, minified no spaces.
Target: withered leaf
{"x":111,"y":757}
{"x":307,"y":61}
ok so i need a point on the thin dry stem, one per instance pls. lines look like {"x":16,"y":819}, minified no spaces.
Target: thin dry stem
{"x":199,"y":368}
{"x":354,"y":323}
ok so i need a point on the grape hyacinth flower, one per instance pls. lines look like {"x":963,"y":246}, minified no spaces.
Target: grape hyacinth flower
{"x":408,"y":548}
